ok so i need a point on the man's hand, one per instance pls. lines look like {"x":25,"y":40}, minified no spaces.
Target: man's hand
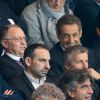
{"x":8,"y":92}
{"x":94,"y":73}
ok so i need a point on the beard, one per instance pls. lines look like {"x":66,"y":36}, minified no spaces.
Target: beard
{"x":39,"y":74}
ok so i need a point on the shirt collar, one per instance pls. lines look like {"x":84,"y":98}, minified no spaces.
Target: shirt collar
{"x":35,"y":80}
{"x":13,"y":56}
{"x":62,"y":47}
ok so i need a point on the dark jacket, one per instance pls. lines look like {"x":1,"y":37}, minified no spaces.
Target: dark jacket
{"x":87,"y":11}
{"x":4,"y":86}
{"x":57,"y":61}
{"x":6,"y":13}
{"x":15,"y":76}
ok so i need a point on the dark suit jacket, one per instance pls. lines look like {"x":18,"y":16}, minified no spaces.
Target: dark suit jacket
{"x":15,"y":76}
{"x":23,"y":85}
{"x":10,"y":67}
{"x":87,"y":11}
{"x":6,"y":13}
{"x":4,"y":86}
{"x":57,"y":61}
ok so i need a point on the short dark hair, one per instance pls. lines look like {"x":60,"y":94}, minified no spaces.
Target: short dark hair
{"x":71,"y":78}
{"x":4,"y":30}
{"x":48,"y":90}
{"x":68,"y":20}
{"x":77,"y":49}
{"x":29,"y":52}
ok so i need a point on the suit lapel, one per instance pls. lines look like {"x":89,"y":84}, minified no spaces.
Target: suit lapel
{"x":28,"y":83}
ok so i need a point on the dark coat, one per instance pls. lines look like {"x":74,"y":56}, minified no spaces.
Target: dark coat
{"x":15,"y":76}
{"x":87,"y":11}
{"x":4,"y":86}
{"x":57,"y":61}
{"x":10,"y":67}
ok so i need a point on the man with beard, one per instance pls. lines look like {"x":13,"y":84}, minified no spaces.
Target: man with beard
{"x":69,"y":32}
{"x":37,"y":58}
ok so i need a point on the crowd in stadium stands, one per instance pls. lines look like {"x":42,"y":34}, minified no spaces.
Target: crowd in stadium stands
{"x":49,"y":49}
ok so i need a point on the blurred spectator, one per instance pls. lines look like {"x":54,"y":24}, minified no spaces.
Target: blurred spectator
{"x":48,"y":91}
{"x":87,"y":11}
{"x":42,"y":26}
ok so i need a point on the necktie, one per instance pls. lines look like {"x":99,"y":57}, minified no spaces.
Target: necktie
{"x":20,"y":62}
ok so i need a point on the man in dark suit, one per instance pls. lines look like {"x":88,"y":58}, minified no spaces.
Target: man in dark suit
{"x":87,"y":11}
{"x":37,"y":59}
{"x":69,"y":32}
{"x":13,"y":40}
{"x":7,"y":14}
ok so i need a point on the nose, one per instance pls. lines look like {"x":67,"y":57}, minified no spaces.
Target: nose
{"x":90,"y":90}
{"x":47,"y":65}
{"x":85,"y":65}
{"x":23,"y":41}
{"x":71,"y":39}
{"x":57,"y":2}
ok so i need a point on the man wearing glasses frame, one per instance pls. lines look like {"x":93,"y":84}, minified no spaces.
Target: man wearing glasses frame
{"x":13,"y":40}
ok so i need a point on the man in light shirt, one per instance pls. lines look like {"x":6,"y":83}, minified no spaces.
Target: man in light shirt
{"x":37,"y":58}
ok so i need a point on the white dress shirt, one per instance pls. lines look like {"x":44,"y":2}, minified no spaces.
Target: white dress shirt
{"x":35,"y":82}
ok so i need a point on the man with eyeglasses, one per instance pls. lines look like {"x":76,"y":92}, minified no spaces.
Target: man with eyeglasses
{"x":13,"y":40}
{"x":41,"y":17}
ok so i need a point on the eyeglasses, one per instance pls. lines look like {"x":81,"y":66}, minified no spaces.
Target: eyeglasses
{"x":17,"y":39}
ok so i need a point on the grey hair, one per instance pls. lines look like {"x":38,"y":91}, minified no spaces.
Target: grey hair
{"x":48,"y":90}
{"x":77,"y":49}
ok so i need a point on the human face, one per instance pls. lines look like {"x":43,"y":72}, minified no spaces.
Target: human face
{"x":83,"y":91}
{"x":79,"y":61}
{"x":39,"y":65}
{"x":56,"y":5}
{"x":70,"y":35}
{"x":15,"y":41}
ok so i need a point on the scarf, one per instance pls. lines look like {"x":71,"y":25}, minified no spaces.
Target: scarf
{"x":50,"y":12}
